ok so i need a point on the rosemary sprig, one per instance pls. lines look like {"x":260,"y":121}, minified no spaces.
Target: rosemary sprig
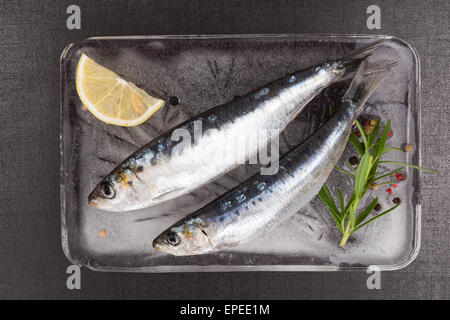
{"x":347,"y":218}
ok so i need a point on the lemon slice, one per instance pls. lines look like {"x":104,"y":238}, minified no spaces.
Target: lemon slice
{"x":112,"y":99}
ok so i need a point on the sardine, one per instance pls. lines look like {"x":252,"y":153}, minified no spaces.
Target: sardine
{"x":263,"y":201}
{"x":168,"y":167}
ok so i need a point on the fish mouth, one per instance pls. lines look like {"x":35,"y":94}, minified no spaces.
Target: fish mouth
{"x":93,"y":198}
{"x":156,"y":244}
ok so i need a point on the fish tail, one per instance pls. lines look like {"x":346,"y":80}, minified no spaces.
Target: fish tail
{"x":348,"y":65}
{"x":366,"y":80}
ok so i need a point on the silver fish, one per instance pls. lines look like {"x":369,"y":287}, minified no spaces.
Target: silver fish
{"x":262,"y":202}
{"x":167,"y":168}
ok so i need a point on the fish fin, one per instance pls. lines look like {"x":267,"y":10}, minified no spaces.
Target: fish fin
{"x":363,"y":84}
{"x":349,"y":64}
{"x":228,"y":245}
{"x":164,"y":195}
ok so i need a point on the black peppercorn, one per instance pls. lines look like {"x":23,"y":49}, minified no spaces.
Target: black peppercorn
{"x":173,"y":101}
{"x":353,"y":160}
{"x":396,"y":200}
{"x":377,"y":207}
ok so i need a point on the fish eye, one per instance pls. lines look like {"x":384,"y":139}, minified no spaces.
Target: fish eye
{"x":173,"y":239}
{"x":107,"y":190}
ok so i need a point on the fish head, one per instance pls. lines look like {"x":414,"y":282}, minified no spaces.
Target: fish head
{"x":188,"y":238}
{"x":119,"y":191}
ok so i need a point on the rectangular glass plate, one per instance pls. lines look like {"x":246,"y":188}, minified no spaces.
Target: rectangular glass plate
{"x":204,"y":71}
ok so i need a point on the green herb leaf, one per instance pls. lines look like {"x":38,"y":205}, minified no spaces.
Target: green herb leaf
{"x":409,"y":165}
{"x":350,"y":166}
{"x":325,"y":195}
{"x":350,"y":202}
{"x":385,"y":182}
{"x":363,"y":215}
{"x":382,"y":141}
{"x":361,"y":174}
{"x":341,"y":200}
{"x":389,"y":149}
{"x":377,"y":217}
{"x":374,"y":134}
{"x":363,"y":135}
{"x":387,"y":174}
{"x":344,"y":171}
{"x":354,"y":140}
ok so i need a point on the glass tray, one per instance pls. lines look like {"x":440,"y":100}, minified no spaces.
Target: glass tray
{"x":204,"y":71}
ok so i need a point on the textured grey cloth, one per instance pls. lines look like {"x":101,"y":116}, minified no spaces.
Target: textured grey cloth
{"x":33,"y":35}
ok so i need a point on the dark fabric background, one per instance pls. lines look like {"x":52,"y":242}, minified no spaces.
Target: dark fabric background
{"x":33,"y":34}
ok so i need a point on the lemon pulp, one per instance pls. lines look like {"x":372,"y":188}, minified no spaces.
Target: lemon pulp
{"x":110,"y":98}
